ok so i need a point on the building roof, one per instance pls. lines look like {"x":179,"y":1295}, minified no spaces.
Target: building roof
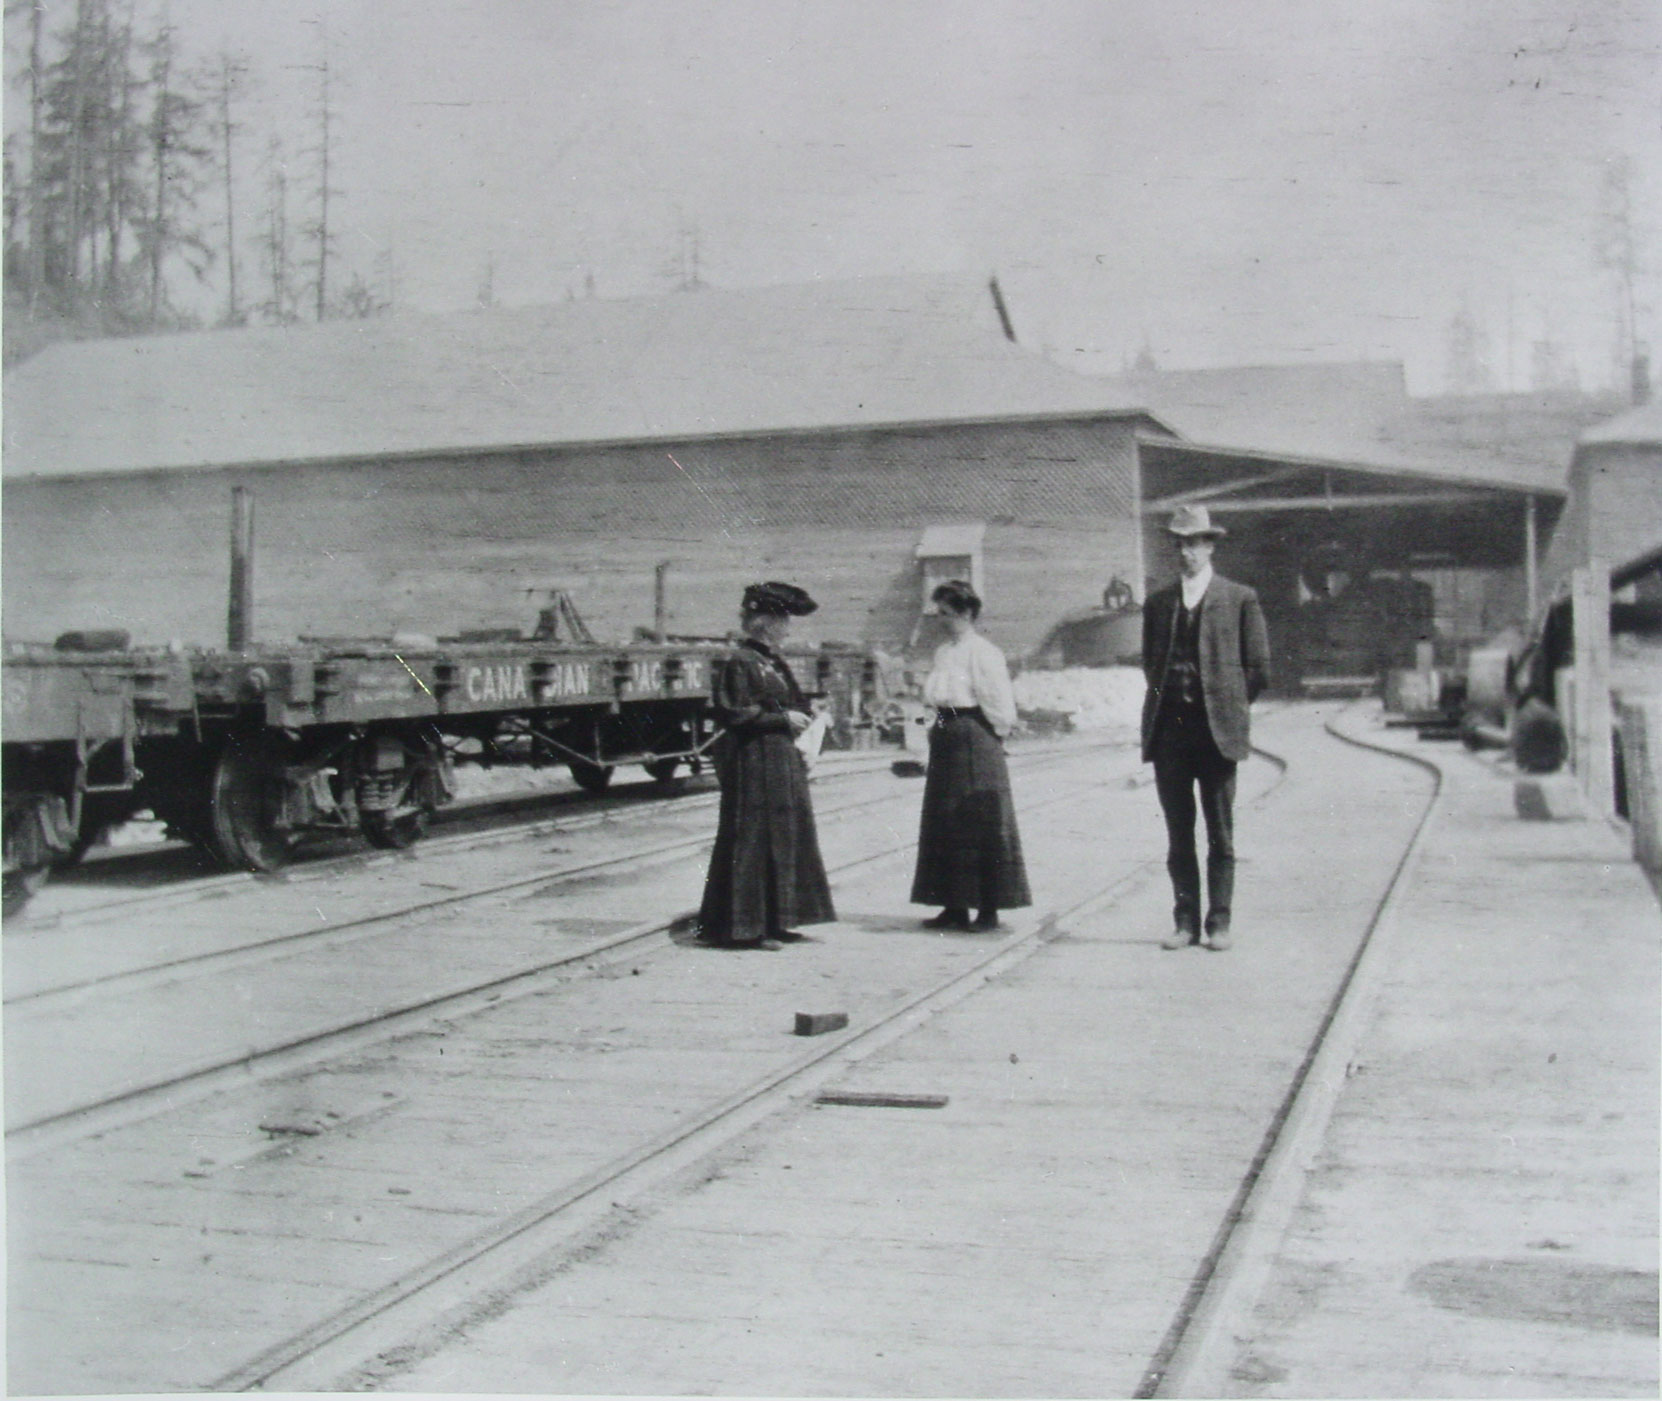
{"x":1360,"y":413}
{"x":1640,"y":427}
{"x":1312,"y":410}
{"x":861,"y":353}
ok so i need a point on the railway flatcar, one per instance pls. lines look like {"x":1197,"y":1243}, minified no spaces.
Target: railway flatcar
{"x":248,"y":753}
{"x":74,"y":719}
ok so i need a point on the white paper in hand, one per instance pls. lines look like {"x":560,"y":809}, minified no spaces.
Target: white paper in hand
{"x":812,"y":739}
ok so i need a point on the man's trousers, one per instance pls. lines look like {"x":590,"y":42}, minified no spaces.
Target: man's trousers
{"x":1187,"y":757}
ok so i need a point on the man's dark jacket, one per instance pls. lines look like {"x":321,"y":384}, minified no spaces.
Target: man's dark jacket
{"x":1234,"y":659}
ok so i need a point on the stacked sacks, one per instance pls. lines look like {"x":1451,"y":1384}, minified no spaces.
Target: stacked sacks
{"x":1088,"y":698}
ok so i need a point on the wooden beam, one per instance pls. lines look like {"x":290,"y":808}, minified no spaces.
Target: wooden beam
{"x":1360,"y":501}
{"x":1532,"y":568}
{"x":1208,"y":493}
{"x":1139,"y":578}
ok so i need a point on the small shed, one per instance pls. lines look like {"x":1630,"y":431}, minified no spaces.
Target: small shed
{"x":1614,"y":512}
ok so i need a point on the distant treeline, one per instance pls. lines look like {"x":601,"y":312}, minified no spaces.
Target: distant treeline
{"x":123,"y":191}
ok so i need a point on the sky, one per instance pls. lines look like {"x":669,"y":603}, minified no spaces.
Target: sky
{"x":1227,"y":182}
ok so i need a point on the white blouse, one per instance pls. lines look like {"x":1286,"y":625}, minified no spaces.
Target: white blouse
{"x":970,"y":670}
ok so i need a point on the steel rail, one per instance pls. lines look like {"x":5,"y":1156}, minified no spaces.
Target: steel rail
{"x":280,"y":945}
{"x":1231,"y":1272}
{"x":595,"y":810}
{"x":31,"y":1137}
{"x":313,"y":1358}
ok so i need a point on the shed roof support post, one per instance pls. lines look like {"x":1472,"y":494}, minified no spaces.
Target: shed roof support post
{"x":1139,"y":575}
{"x":1591,"y":733}
{"x":1532,"y":567}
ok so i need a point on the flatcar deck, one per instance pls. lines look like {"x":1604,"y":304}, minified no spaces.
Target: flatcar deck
{"x":248,"y":753}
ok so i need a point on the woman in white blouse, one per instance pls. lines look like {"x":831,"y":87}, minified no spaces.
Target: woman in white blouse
{"x":969,"y":852}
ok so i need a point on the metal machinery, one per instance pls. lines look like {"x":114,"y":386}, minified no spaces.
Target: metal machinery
{"x":247,"y":753}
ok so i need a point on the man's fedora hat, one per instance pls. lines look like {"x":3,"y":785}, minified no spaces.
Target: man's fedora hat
{"x":1189,"y":521}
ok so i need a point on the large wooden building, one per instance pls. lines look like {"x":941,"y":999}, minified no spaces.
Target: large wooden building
{"x":436,"y":473}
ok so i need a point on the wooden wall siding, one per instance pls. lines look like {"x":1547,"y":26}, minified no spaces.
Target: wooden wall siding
{"x":440,"y":545}
{"x":1614,"y":511}
{"x":1624,"y":491}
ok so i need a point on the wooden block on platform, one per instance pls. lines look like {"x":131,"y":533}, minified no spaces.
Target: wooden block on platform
{"x":818,"y":1023}
{"x":868,"y":1100}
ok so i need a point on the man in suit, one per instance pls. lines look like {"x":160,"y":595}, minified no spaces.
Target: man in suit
{"x":1206,"y":657}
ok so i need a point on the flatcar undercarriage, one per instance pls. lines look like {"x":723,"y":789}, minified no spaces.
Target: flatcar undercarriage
{"x":249,"y":796}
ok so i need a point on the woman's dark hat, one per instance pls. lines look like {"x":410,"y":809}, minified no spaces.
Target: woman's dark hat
{"x":958,"y":596}
{"x":774,"y":597}
{"x":1190,"y":521}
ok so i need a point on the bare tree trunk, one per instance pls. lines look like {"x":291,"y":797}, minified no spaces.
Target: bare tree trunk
{"x":231,"y":71}
{"x":161,"y":134}
{"x":275,"y":242}
{"x":323,"y":193}
{"x":116,"y":212}
{"x":37,"y":215}
{"x":77,"y":149}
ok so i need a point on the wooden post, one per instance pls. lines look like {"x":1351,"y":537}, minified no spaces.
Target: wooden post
{"x":1642,"y":760}
{"x":1590,"y":620}
{"x":1139,"y":576}
{"x":660,"y":601}
{"x":239,"y":623}
{"x":1532,"y":572}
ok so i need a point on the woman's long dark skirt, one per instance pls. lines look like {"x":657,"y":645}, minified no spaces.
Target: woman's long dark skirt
{"x":765,"y":872}
{"x":969,"y":851}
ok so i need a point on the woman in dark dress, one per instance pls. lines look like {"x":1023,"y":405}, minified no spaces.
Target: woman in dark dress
{"x":766,"y":876}
{"x":969,"y":851}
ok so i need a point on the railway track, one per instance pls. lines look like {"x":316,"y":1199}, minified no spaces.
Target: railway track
{"x":129,"y":955}
{"x":227,"y":945}
{"x":590,"y":1103}
{"x":115,"y":884}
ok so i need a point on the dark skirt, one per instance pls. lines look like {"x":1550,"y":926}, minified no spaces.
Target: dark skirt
{"x":765,"y":872}
{"x":969,"y":852}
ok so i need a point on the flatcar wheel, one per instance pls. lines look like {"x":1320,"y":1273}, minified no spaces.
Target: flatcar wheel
{"x":393,"y":831}
{"x":662,"y":771}
{"x":19,"y":886}
{"x":83,"y":843}
{"x":242,"y":798}
{"x":591,"y":778}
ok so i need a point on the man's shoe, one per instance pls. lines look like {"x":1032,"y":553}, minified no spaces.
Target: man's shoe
{"x":987,"y":919}
{"x":1218,"y":940}
{"x":949,"y":919}
{"x":1179,"y":939}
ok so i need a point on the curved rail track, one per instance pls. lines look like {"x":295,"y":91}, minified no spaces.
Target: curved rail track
{"x":538,"y":1040}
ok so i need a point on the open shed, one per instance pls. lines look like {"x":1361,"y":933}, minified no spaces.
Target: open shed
{"x":1357,"y":564}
